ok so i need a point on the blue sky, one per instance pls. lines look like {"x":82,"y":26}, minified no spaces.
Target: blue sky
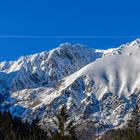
{"x":108,"y":23}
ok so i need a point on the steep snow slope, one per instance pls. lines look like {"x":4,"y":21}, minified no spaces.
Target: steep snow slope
{"x":119,"y":74}
{"x":109,"y":86}
{"x":101,"y":86}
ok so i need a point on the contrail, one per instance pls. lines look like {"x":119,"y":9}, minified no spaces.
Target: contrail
{"x":63,"y":37}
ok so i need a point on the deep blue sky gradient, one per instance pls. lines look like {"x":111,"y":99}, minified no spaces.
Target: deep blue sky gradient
{"x":110,"y":22}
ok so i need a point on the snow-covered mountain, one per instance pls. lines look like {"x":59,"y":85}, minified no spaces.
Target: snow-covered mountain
{"x":46,"y":68}
{"x":101,"y":86}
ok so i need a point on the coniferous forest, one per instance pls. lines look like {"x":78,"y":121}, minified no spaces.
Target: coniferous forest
{"x":15,"y":129}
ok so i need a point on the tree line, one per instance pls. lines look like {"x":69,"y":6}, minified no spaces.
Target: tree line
{"x":13,"y":128}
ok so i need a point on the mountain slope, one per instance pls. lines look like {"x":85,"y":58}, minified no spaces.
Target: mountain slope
{"x":95,"y":85}
{"x":107,"y":88}
{"x":112,"y":81}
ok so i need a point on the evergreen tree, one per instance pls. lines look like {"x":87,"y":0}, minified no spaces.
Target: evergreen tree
{"x":15,"y":129}
{"x":134,"y":122}
{"x":66,"y":130}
